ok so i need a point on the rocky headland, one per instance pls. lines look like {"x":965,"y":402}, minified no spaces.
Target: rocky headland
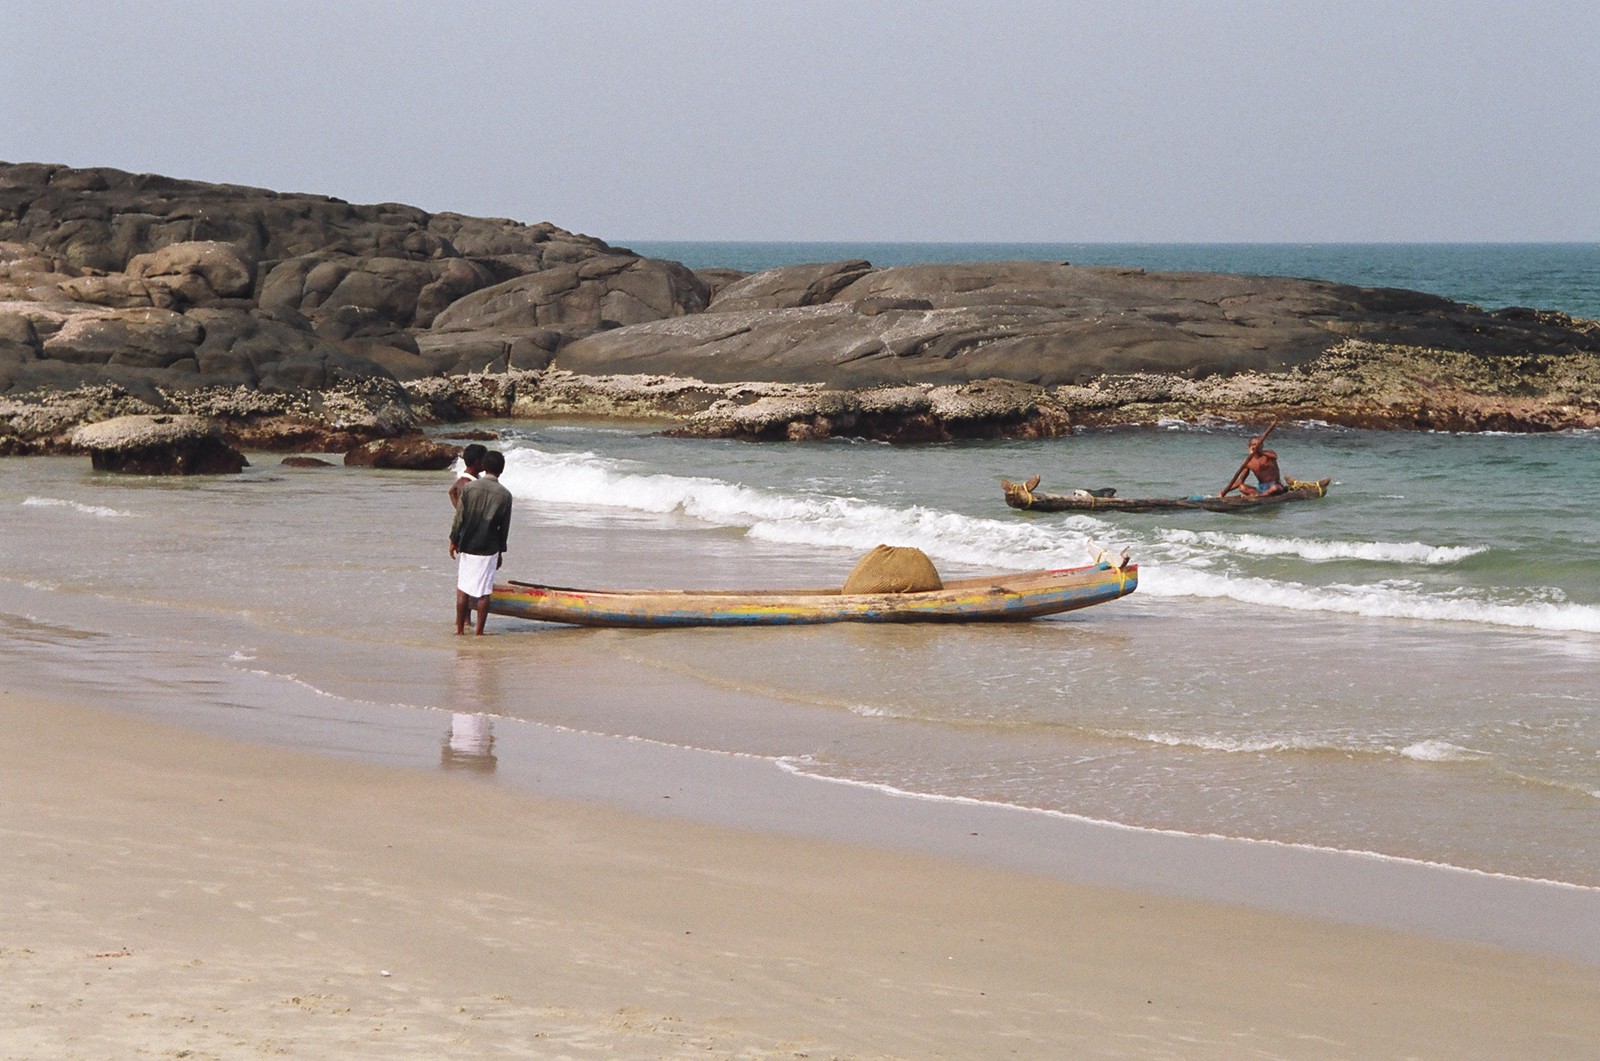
{"x":302,"y":323}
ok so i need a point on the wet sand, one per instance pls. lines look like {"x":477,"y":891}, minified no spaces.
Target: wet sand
{"x":169,"y":891}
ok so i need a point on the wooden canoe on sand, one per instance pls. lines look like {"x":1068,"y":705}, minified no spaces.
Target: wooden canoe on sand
{"x":1026,"y":496}
{"x":990,"y":598}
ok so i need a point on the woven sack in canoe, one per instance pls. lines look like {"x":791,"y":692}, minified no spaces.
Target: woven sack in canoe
{"x":893,"y":569}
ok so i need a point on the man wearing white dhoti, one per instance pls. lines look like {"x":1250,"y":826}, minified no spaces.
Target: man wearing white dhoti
{"x":478,"y":539}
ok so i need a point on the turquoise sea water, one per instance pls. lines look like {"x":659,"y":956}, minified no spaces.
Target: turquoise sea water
{"x":1557,"y":276}
{"x":1408,"y":668}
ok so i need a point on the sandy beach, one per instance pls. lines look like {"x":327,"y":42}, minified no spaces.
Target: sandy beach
{"x":735,"y":296}
{"x":176,"y":894}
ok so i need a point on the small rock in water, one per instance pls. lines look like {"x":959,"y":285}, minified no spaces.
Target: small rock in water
{"x":158,"y":445}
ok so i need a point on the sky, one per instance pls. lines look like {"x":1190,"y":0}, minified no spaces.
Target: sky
{"x":1218,"y":121}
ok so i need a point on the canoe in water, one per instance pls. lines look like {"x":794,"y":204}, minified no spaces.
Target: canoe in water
{"x":1026,"y":496}
{"x":990,"y":598}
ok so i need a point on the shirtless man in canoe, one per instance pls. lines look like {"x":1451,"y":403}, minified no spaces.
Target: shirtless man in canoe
{"x":1263,"y":464}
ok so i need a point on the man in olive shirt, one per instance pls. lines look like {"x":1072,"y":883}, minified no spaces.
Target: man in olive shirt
{"x":478,"y":539}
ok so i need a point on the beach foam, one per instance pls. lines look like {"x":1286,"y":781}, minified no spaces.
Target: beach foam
{"x":98,"y":511}
{"x":1249,"y":745}
{"x":818,"y":520}
{"x":1440,"y":751}
{"x":1392,"y":599}
{"x":804,"y":767}
{"x":1317,"y":550}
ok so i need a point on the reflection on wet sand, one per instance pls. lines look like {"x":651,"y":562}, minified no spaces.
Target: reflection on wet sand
{"x":470,"y":743}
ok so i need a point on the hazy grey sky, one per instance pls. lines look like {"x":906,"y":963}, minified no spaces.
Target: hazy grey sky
{"x":941,"y":120}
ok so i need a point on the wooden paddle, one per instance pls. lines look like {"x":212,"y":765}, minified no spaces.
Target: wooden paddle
{"x":1239,"y":475}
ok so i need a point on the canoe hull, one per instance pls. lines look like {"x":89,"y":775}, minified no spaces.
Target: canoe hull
{"x":1018,"y":495}
{"x":998,"y":598}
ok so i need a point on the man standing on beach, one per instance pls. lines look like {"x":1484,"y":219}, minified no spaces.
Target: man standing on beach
{"x":478,"y":539}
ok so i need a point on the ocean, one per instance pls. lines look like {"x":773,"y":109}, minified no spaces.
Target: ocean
{"x":1405,"y":670}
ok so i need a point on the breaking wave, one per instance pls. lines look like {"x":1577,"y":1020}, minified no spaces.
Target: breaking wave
{"x":816,"y":520}
{"x":1316,"y":551}
{"x":1379,"y":600}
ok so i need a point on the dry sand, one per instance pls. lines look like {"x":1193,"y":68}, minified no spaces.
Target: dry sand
{"x":170,"y":894}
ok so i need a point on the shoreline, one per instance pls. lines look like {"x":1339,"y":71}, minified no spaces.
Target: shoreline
{"x":217,"y":892}
{"x":761,"y":792}
{"x":1356,"y":889}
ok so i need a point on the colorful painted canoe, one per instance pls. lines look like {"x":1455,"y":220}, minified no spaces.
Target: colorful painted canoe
{"x":990,"y":598}
{"x":1026,"y":496}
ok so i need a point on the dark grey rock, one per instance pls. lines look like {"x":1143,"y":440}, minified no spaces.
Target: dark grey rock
{"x":491,"y":350}
{"x":403,"y":293}
{"x":140,"y":338}
{"x":1040,"y":323}
{"x":357,"y":288}
{"x":789,"y":287}
{"x":117,"y":291}
{"x":101,"y":218}
{"x":17,"y":330}
{"x":598,"y":293}
{"x":195,"y":272}
{"x":717,"y":279}
{"x":317,"y":370}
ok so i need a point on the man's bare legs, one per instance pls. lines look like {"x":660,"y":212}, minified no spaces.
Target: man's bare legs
{"x":463,"y":609}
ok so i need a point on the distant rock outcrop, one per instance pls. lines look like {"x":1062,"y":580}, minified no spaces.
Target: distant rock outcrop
{"x":1043,"y":323}
{"x":305,"y":322}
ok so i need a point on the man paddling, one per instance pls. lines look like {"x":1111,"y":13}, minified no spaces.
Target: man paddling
{"x":1263,"y":464}
{"x":478,"y":539}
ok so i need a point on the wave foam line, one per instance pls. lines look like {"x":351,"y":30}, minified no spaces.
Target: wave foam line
{"x":1317,"y":551}
{"x":1431,"y":750}
{"x":1441,"y":751}
{"x":1246,"y":745}
{"x":796,"y":765}
{"x":99,"y":511}
{"x":1372,"y":601}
